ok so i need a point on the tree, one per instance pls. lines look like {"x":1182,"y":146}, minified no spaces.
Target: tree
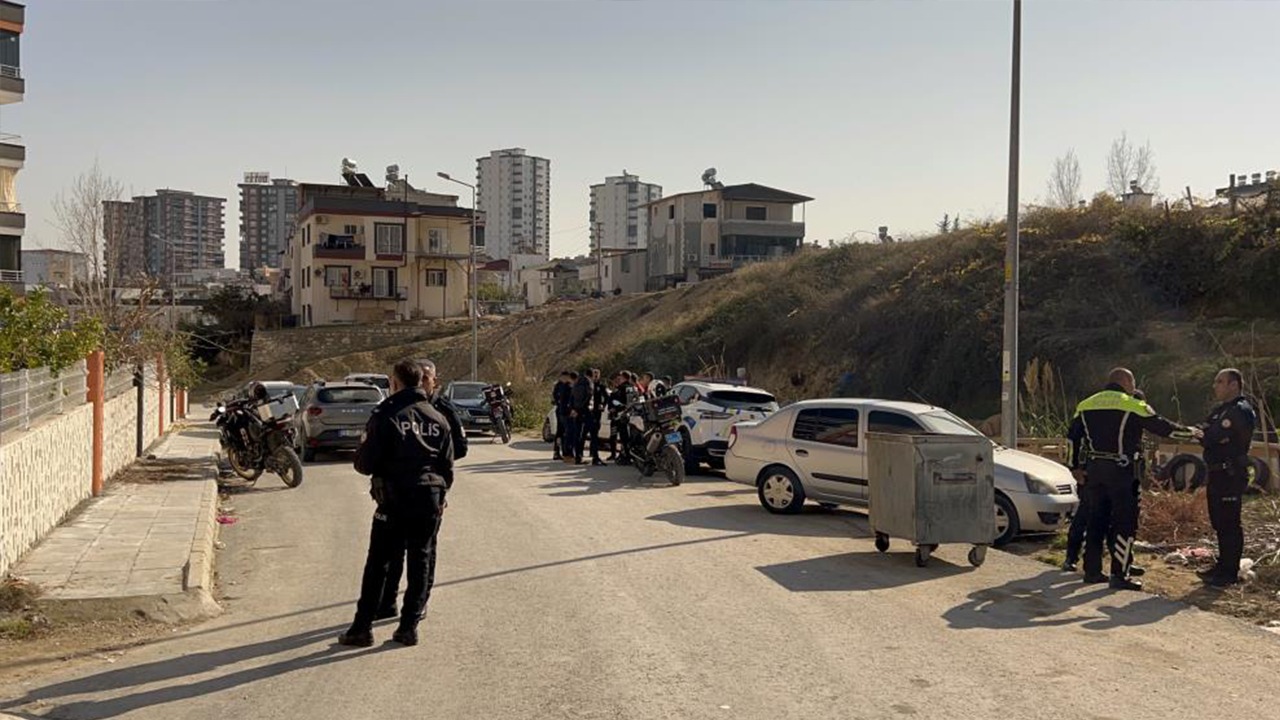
{"x":1064,"y":181}
{"x":945,"y":225}
{"x":1128,"y":163}
{"x":36,"y":333}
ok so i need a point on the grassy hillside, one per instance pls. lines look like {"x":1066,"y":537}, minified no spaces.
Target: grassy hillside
{"x":1174,"y":295}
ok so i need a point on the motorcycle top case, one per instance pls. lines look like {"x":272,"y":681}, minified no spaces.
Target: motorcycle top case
{"x":278,"y":409}
{"x":662,"y":409}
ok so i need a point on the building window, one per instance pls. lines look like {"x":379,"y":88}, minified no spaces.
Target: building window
{"x":337,"y":276}
{"x":712,"y":252}
{"x":435,"y":240}
{"x":350,"y":229}
{"x":388,"y":239}
{"x":631,"y":231}
{"x":708,"y":210}
{"x":625,"y":265}
{"x":517,"y":213}
{"x":437,"y":278}
{"x":384,"y":282}
{"x":671,"y":212}
{"x":757,"y":213}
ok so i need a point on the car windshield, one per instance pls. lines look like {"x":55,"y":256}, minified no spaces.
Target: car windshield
{"x":349,"y":396}
{"x":375,"y":380}
{"x":468,"y":392}
{"x":743,"y":400}
{"x":944,"y":423}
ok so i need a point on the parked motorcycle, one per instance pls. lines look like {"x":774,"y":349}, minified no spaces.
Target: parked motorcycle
{"x":500,"y":411}
{"x":257,"y":436}
{"x":653,"y":437}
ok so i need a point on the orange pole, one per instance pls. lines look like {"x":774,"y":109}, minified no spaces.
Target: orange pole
{"x":96,"y":392}
{"x":161,"y":405}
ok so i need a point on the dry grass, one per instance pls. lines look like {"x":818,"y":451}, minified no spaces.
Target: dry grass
{"x":1174,"y":518}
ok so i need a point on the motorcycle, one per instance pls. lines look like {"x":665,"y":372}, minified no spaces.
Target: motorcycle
{"x":653,"y":437}
{"x":259,"y":436}
{"x":499,"y":402}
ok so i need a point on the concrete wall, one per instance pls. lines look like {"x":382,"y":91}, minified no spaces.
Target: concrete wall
{"x":302,"y":344}
{"x":44,"y":474}
{"x":119,"y":434}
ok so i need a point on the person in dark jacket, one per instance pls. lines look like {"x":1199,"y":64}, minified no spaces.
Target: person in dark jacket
{"x":387,"y":607}
{"x":1226,"y":437}
{"x":408,"y":452}
{"x":1105,"y":443}
{"x":595,"y":418}
{"x":620,"y":415}
{"x":579,"y":412}
{"x":560,"y":401}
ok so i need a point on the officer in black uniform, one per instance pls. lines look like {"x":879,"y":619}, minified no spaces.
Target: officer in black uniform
{"x":1106,"y":441}
{"x":387,"y":607}
{"x":408,"y":451}
{"x":1228,"y":434}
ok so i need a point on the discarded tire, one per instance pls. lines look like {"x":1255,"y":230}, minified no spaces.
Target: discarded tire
{"x":1259,"y":475}
{"x":1185,"y":472}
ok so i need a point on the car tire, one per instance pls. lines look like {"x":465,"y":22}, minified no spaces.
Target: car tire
{"x":780,"y":491}
{"x":1186,"y":472}
{"x":1007,"y":515}
{"x":1259,"y":475}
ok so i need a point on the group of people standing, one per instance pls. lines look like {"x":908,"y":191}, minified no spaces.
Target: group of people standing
{"x":1107,"y":461}
{"x":581,"y":401}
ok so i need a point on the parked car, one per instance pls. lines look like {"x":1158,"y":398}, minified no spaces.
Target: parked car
{"x":377,"y":380}
{"x":333,"y":417}
{"x":710,"y":409}
{"x":816,"y":450}
{"x":549,"y":426}
{"x":468,"y":400}
{"x":275,"y":388}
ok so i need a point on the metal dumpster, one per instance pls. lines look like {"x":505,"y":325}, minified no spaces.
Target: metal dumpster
{"x":932,"y":489}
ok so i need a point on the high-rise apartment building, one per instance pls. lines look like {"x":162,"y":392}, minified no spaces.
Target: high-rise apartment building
{"x":13,"y":153}
{"x":268,"y":211}
{"x":618,"y":220}
{"x":513,"y":190}
{"x":168,"y":235}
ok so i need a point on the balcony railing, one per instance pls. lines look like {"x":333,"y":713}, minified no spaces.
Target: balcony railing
{"x":342,"y":247}
{"x":10,"y":71}
{"x":367,"y":292}
{"x":10,"y":207}
{"x":10,"y":276}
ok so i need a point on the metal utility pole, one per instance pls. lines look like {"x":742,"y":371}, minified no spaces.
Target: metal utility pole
{"x":471,"y":282}
{"x":1009,"y":358}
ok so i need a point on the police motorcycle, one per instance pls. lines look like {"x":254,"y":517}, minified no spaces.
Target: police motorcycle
{"x":653,"y":436}
{"x":257,"y":435}
{"x":498,"y":398}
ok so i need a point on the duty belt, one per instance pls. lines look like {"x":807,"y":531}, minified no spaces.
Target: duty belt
{"x":1228,"y":464}
{"x":1119,"y":460}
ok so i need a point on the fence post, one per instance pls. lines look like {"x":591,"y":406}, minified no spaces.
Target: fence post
{"x":25,"y":380}
{"x":96,"y":382}
{"x":140,"y":383}
{"x":160,"y":380}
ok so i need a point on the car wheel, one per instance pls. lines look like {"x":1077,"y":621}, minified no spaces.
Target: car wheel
{"x":780,"y":491}
{"x":1007,"y":524}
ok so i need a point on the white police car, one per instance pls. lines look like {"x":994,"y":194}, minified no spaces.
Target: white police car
{"x":710,"y":408}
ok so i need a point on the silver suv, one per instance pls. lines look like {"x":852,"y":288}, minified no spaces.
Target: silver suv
{"x":333,"y":416}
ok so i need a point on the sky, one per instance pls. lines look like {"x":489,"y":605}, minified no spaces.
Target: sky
{"x":888,"y":112}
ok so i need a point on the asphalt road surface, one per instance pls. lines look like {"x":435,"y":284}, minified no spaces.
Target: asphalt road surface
{"x":580,"y":592}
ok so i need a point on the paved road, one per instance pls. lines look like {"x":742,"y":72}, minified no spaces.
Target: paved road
{"x":583,"y":593}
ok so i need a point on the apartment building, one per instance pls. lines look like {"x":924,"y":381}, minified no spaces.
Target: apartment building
{"x":268,"y":210}
{"x":362,"y":254}
{"x":617,"y":218}
{"x":13,"y":153}
{"x":54,"y":268}
{"x":697,"y":235}
{"x":513,"y":191}
{"x":171,"y":235}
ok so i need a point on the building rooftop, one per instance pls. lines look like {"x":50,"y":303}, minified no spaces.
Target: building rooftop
{"x":745,"y":191}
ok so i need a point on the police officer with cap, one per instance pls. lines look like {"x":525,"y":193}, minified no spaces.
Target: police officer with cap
{"x":1227,"y":436}
{"x":387,"y":607}
{"x":1106,"y":444}
{"x":408,"y":451}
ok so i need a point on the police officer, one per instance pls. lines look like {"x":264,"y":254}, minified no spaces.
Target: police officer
{"x":1106,"y":440}
{"x":620,"y":414}
{"x":599,"y":401}
{"x":387,"y":607}
{"x":408,"y":450}
{"x":560,"y":401}
{"x":1227,"y":435}
{"x":580,"y":394}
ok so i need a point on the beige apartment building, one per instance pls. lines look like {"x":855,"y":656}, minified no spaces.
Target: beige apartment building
{"x":361,"y":254}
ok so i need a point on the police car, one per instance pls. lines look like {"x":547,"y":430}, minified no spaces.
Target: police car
{"x":710,"y":408}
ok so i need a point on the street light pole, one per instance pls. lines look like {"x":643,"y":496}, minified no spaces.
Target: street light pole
{"x":1009,"y":358}
{"x":471,"y":281}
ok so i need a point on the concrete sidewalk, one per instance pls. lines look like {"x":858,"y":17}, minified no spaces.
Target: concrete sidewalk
{"x":141,"y":547}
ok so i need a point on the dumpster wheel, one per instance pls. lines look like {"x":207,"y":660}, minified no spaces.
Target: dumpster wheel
{"x":882,"y":542}
{"x":977,"y":555}
{"x":922,"y":554}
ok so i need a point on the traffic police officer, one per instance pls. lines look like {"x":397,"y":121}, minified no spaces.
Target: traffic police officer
{"x":387,"y":607}
{"x":408,"y":451}
{"x":1228,"y":434}
{"x":1106,"y":442}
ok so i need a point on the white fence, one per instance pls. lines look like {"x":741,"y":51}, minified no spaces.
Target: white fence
{"x":27,"y":396}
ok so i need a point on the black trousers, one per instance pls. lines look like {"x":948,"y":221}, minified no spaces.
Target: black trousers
{"x":1075,"y":534}
{"x":574,"y":435}
{"x":1113,"y":517}
{"x":1226,"y":492}
{"x":406,"y":529}
{"x":593,"y":434}
{"x":562,"y":427}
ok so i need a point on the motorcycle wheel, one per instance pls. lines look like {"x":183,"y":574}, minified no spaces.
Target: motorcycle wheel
{"x":239,"y":468}
{"x":674,"y":464}
{"x":288,"y":461}
{"x":503,"y":431}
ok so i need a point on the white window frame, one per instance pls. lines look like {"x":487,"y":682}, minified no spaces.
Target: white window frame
{"x":388,"y":239}
{"x":437,"y":240}
{"x":437,"y":278}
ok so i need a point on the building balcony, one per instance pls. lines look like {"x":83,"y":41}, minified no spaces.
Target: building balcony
{"x":11,"y":277}
{"x":13,"y":154}
{"x":339,"y":247}
{"x":11,"y":217}
{"x":12,"y":86}
{"x":767,"y":228}
{"x":368,"y":292}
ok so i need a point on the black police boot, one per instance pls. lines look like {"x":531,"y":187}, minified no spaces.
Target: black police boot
{"x":1068,"y":565}
{"x":407,"y":636}
{"x":356,"y":637}
{"x":1135,"y":571}
{"x":1124,"y":583}
{"x":1209,"y":574}
{"x":1222,"y":581}
{"x":386,"y":612}
{"x":1094,"y":579}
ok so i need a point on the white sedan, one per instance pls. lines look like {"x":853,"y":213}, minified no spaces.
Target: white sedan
{"x":816,"y":450}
